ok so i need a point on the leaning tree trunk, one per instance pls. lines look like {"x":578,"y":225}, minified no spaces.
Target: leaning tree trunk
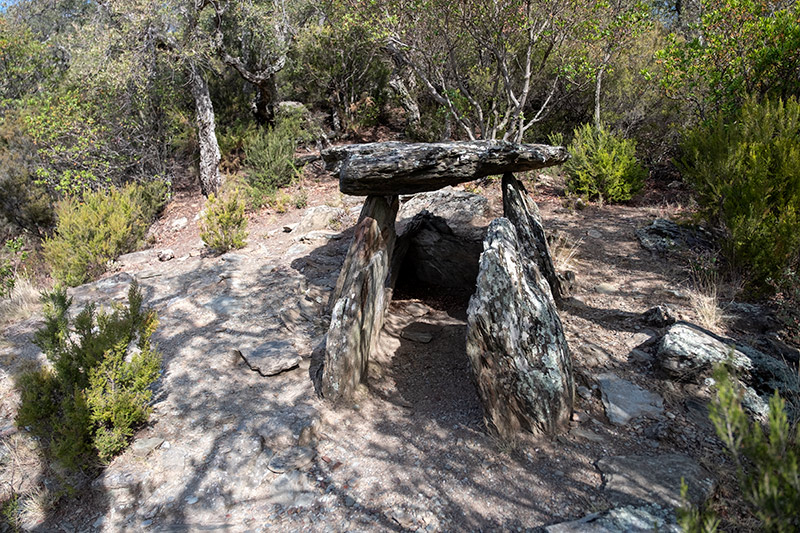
{"x":210,"y":178}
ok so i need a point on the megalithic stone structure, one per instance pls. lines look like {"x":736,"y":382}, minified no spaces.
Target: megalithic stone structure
{"x":519,"y":356}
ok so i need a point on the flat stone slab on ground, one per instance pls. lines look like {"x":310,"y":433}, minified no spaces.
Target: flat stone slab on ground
{"x":628,"y":519}
{"x":625,"y":401}
{"x":272,"y":358}
{"x":654,"y":479}
{"x":142,"y":447}
{"x":292,"y":489}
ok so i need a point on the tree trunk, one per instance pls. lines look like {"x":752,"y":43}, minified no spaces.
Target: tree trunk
{"x":597,"y":88}
{"x":210,"y":178}
{"x":409,"y":104}
{"x":266,"y":96}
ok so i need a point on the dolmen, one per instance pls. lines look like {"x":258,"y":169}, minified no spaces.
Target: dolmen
{"x":515,"y":341}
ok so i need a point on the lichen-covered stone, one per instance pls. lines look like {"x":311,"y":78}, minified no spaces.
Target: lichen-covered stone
{"x":688,"y":351}
{"x":360,"y":300}
{"x":516,"y":344}
{"x":522,"y":211}
{"x":406,"y":168}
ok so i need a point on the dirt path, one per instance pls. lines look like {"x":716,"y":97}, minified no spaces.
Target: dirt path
{"x":413,"y":452}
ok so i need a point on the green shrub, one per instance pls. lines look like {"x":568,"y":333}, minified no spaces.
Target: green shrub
{"x":224,"y":224}
{"x":100,"y":227}
{"x":269,"y":154}
{"x":23,"y":202}
{"x":603,"y":165}
{"x":97,"y":391}
{"x":767,"y":465}
{"x":746,"y":173}
{"x":10,"y":265}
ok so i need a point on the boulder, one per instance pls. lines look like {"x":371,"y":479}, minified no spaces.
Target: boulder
{"x":524,"y":214}
{"x":359,"y":300}
{"x":433,"y":254}
{"x":466,"y":213}
{"x":515,"y":343}
{"x":406,"y":168}
{"x":688,"y":351}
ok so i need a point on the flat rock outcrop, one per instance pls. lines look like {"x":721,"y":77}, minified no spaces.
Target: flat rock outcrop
{"x":516,"y":344}
{"x":406,"y":168}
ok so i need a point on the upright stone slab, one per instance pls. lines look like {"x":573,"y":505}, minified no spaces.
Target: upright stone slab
{"x":359,"y":300}
{"x":407,"y":168}
{"x":516,"y":344}
{"x":522,"y":211}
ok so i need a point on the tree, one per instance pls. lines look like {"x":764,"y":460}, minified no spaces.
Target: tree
{"x":496,"y":67}
{"x":743,"y":47}
{"x":619,"y":23}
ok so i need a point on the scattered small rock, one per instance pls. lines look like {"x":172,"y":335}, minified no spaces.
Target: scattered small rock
{"x":640,"y":356}
{"x":142,"y":447}
{"x":594,"y":234}
{"x":605,"y":288}
{"x":587,"y":434}
{"x":166,"y":255}
{"x":179,"y":223}
{"x":659,"y":316}
{"x":272,"y":358}
{"x":293,"y":458}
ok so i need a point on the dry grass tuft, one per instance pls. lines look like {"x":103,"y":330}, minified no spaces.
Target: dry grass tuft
{"x":704,"y":296}
{"x":564,"y":251}
{"x":21,"y":303}
{"x":35,"y":506}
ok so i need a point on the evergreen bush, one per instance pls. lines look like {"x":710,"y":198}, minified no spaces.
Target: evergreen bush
{"x":767,"y":463}
{"x":88,"y":403}
{"x":99,"y":227}
{"x":746,"y":173}
{"x":9,"y":265}
{"x":603,"y":165}
{"x":269,"y":155}
{"x":224,"y":224}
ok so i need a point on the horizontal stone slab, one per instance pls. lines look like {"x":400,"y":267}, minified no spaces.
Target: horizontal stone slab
{"x":406,"y":168}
